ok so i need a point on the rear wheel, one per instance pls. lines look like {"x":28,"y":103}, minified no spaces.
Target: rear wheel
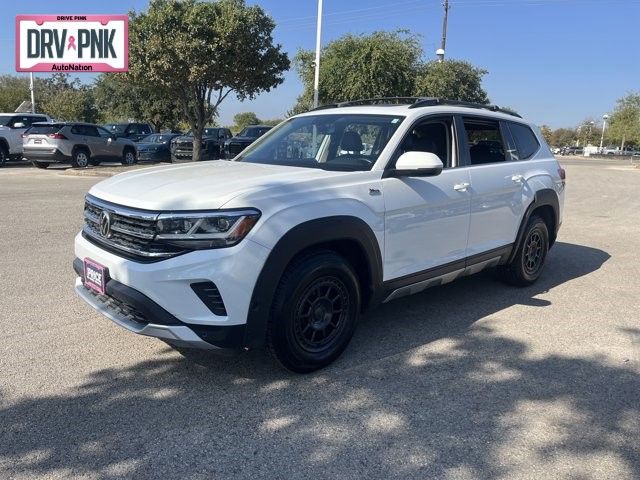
{"x":80,"y":158}
{"x":4,"y":155}
{"x":40,"y":164}
{"x":528,"y":262}
{"x":315,"y":312}
{"x":129,"y":157}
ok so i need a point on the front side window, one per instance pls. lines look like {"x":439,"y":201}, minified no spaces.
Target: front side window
{"x":432,"y":136}
{"x":331,"y":142}
{"x":484,"y":141}
{"x":103,"y":133}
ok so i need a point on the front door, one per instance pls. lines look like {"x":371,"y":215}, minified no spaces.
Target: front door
{"x":427,"y":218}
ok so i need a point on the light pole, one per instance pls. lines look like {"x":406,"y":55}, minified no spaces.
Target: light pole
{"x":33,"y":100}
{"x":605,"y":117}
{"x":316,"y":79}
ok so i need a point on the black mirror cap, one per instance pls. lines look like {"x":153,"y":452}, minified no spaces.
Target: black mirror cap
{"x":419,"y":172}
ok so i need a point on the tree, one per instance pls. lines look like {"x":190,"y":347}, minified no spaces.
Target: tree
{"x":383,"y":64}
{"x":121,"y":99}
{"x":201,"y":52}
{"x":547,"y":133}
{"x":244,"y":119}
{"x":563,"y":137}
{"x":66,"y":99}
{"x":13,"y":91}
{"x":625,"y":120}
{"x":451,"y":79}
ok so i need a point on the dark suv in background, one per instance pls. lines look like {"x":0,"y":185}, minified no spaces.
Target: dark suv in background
{"x":245,"y":138}
{"x":132,"y":131}
{"x":213,"y":139}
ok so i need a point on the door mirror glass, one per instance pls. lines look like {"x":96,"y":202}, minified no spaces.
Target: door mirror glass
{"x":18,"y":125}
{"x":417,"y":164}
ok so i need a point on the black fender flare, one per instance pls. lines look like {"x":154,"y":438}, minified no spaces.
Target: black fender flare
{"x":302,"y":237}
{"x":545,"y":196}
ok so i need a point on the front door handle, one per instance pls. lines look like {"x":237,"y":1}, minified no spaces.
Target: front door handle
{"x":517,"y":179}
{"x":461,"y":187}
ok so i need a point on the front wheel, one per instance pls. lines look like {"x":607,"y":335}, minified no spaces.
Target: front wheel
{"x":128,"y":157}
{"x":527,"y":264}
{"x":314,"y":313}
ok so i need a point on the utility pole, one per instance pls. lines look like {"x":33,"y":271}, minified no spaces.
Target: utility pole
{"x":33,"y":101}
{"x":443,"y":43}
{"x":316,"y":80}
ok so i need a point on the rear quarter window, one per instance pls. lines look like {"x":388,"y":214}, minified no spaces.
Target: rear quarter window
{"x":525,"y":139}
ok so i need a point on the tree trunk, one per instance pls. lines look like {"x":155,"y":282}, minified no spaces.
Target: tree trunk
{"x":622,"y":144}
{"x":197,"y":144}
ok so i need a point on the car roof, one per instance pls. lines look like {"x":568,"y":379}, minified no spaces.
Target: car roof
{"x":416,"y":107}
{"x":65,"y":123}
{"x":23,"y":113}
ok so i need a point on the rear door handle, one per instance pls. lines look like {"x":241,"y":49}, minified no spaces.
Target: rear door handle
{"x":461,"y":187}
{"x":517,"y":179}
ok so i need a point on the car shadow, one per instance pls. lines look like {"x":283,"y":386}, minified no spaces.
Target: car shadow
{"x":464,"y":409}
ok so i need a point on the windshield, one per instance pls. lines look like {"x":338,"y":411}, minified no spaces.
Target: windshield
{"x":253,"y":132}
{"x":331,"y":142}
{"x":44,"y":129}
{"x":5,"y":119}
{"x":115,"y":127}
{"x":156,"y":138}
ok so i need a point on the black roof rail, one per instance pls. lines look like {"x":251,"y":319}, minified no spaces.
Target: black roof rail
{"x":432,"y":102}
{"x":371,"y":101}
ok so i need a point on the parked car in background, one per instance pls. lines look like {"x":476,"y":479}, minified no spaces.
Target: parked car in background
{"x":213,"y":139}
{"x":80,"y":144}
{"x":246,"y":137}
{"x":572,"y":151}
{"x":12,"y":126}
{"x":156,"y":147}
{"x":132,"y":131}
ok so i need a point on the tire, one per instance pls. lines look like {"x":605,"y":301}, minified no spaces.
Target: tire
{"x":129,"y":157}
{"x":42,"y":165}
{"x":314,"y":313}
{"x":80,"y":158}
{"x":4,"y":155}
{"x":528,"y":262}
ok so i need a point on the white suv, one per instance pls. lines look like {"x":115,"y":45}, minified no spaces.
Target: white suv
{"x":12,"y":126}
{"x":328,"y":214}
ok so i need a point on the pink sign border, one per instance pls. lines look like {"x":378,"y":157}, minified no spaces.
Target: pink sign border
{"x":96,"y":66}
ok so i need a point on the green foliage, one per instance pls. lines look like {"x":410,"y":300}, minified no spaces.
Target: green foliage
{"x":624,"y":124}
{"x":120,"y":99}
{"x":383,"y":64}
{"x":451,"y":79}
{"x":547,"y":133}
{"x":562,"y":137}
{"x":243,"y":119}
{"x":200,"y":52}
{"x":13,"y":91}
{"x":66,"y":99}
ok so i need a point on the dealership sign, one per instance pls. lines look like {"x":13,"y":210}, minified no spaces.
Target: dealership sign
{"x":72,"y":43}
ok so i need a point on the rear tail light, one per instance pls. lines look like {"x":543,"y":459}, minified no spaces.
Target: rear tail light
{"x":562,"y":173}
{"x":57,"y":136}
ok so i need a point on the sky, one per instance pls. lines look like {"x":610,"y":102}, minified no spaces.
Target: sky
{"x":556,"y":62}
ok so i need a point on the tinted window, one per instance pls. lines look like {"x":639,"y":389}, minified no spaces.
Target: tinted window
{"x":145,"y":129}
{"x":485,"y":141}
{"x":103,"y":133}
{"x":5,"y":119}
{"x":525,"y":139}
{"x":78,"y":130}
{"x":430,"y":136}
{"x":91,"y":131}
{"x":44,"y":129}
{"x":115,"y":127}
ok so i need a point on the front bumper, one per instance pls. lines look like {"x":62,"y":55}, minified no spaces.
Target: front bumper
{"x":153,"y":156}
{"x":163,"y":291}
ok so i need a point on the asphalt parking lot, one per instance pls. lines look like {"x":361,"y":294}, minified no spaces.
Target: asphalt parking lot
{"x":466,"y":381}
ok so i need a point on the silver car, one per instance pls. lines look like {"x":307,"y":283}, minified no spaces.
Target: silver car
{"x":80,"y":144}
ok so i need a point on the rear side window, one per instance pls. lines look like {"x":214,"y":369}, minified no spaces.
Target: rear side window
{"x":44,"y":129}
{"x":485,"y":141}
{"x":525,"y":139}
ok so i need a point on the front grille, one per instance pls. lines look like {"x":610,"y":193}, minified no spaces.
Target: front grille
{"x":132,"y":231}
{"x":184,"y":145}
{"x":236,"y":148}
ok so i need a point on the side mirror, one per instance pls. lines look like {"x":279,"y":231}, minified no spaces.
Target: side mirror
{"x":18,"y":125}
{"x":416,"y":164}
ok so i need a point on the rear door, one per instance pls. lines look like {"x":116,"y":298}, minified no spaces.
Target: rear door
{"x":498,"y":188}
{"x":97,"y":144}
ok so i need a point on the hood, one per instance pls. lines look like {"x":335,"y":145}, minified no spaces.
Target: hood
{"x":198,"y":186}
{"x":242,"y":139}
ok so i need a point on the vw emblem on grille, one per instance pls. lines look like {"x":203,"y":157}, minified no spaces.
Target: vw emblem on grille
{"x":105,"y":224}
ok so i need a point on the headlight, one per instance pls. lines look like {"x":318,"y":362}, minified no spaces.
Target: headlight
{"x":206,"y":230}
